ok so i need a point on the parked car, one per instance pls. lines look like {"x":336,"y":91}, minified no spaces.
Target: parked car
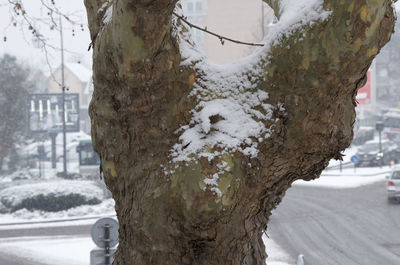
{"x":370,"y":155}
{"x":393,"y":185}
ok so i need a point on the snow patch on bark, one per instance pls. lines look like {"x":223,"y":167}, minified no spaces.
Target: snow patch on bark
{"x":238,"y":121}
{"x":108,"y":15}
{"x":294,"y":15}
{"x":109,"y":11}
{"x":231,"y":114}
{"x":213,"y":183}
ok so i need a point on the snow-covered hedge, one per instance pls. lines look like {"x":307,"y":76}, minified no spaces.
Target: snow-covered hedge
{"x":51,"y":196}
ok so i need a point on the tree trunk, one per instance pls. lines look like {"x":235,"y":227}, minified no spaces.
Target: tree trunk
{"x":191,"y":184}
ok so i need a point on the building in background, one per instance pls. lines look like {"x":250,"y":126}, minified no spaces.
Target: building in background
{"x":367,"y":107}
{"x":245,"y":21}
{"x":78,"y":79}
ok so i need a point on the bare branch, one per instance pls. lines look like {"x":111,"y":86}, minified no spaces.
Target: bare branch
{"x":17,"y":10}
{"x":221,"y":38}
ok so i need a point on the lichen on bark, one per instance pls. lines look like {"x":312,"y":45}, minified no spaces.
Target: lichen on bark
{"x":205,"y":209}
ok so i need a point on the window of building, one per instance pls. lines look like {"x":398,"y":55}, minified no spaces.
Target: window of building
{"x":194,"y":8}
{"x":195,"y":11}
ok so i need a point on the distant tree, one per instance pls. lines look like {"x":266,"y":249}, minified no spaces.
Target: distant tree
{"x":14,"y":86}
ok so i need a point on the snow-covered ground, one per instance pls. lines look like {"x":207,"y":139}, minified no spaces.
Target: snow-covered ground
{"x":50,"y":250}
{"x":348,"y":178}
{"x":348,"y":153}
{"x":76,"y":250}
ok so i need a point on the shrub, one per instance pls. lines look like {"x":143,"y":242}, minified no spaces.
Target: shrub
{"x":69,"y":175}
{"x":52,"y":196}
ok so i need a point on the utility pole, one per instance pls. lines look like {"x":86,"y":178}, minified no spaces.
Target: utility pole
{"x":63,"y":101}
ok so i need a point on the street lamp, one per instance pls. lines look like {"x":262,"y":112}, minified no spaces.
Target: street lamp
{"x":38,"y":42}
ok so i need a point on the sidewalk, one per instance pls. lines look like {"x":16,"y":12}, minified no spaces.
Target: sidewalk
{"x":348,"y":178}
{"x":76,"y":250}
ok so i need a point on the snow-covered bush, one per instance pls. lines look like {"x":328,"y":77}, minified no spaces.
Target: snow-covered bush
{"x":51,"y":196}
{"x":69,"y":175}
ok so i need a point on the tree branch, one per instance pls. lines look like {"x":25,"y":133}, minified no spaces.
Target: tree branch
{"x":221,"y":38}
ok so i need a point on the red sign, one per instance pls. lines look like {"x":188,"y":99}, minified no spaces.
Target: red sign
{"x":364,"y":93}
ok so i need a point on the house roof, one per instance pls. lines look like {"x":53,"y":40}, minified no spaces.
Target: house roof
{"x":80,"y":71}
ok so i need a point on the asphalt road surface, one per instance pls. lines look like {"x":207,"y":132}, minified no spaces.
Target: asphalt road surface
{"x":338,"y":227}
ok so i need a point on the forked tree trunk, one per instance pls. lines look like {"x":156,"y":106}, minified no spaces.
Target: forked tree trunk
{"x":192,"y":185}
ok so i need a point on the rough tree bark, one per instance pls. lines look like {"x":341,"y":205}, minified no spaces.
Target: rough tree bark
{"x":213,"y":209}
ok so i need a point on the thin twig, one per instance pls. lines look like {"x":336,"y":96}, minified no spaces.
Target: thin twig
{"x":221,"y":38}
{"x":18,"y":9}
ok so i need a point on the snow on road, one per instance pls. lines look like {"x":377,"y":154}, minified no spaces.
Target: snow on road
{"x":50,"y":250}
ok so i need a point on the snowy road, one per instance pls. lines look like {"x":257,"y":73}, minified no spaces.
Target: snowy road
{"x":13,"y":237}
{"x":339,"y":226}
{"x":8,"y":259}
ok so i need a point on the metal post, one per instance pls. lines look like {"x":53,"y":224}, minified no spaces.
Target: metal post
{"x":43,"y":166}
{"x":40,"y":165}
{"x":53,"y":136}
{"x":107,"y":244}
{"x":380,"y":149}
{"x":340,"y":166}
{"x":63,"y":101}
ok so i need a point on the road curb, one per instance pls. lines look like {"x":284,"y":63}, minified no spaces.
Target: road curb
{"x":56,"y":220}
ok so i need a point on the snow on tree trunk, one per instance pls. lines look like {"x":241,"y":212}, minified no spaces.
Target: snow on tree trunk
{"x":197,"y":155}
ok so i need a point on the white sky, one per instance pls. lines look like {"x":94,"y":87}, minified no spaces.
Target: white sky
{"x":19,"y":41}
